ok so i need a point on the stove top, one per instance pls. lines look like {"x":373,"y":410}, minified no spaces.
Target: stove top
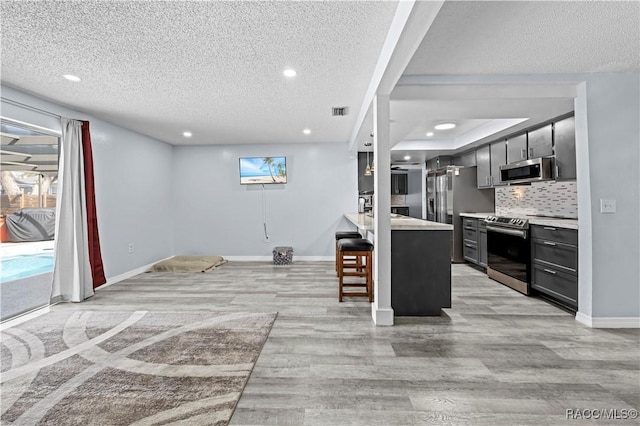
{"x":508,"y":222}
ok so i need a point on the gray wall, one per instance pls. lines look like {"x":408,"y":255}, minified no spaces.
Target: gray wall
{"x":215,"y":215}
{"x":608,"y":151}
{"x":132,"y":181}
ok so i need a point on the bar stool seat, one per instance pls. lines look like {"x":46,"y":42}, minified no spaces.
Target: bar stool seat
{"x":362,"y":250}
{"x":347,"y":234}
{"x":342,"y":235}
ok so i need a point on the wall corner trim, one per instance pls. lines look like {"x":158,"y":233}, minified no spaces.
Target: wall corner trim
{"x":608,"y":322}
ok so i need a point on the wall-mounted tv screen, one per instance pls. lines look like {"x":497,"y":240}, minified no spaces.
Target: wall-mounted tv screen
{"x":263,"y":170}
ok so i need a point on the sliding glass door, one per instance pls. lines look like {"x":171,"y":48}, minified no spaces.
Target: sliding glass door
{"x":28,"y":182}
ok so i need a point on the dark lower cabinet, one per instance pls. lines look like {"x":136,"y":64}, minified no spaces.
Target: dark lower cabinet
{"x":404,"y":211}
{"x":555,"y":283}
{"x":554,"y":264}
{"x":420,"y":272}
{"x":474,"y":236}
{"x":482,"y":243}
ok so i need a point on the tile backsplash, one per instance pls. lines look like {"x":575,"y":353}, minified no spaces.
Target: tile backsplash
{"x":558,"y":199}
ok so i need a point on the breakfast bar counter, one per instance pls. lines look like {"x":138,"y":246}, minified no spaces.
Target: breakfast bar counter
{"x":420,"y":263}
{"x":364,"y":222}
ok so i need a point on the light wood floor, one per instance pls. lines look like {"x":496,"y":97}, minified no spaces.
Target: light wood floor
{"x":497,"y":357}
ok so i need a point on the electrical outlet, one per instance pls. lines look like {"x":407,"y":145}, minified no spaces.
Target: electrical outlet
{"x":131,"y":248}
{"x":607,"y":206}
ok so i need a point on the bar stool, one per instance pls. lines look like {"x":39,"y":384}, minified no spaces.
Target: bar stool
{"x":341,"y":235}
{"x":362,"y":250}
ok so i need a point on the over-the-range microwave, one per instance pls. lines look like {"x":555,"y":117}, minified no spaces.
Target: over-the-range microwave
{"x":534,"y":170}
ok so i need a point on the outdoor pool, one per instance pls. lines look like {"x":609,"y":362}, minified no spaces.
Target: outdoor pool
{"x":25,"y":265}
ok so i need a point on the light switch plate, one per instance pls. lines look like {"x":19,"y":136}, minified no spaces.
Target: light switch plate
{"x":607,"y":206}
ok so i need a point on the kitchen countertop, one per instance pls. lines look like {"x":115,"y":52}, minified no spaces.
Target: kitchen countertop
{"x":478,"y":215}
{"x":398,"y":222}
{"x":552,"y":221}
{"x":534,"y":220}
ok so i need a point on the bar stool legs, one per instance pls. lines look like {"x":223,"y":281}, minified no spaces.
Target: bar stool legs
{"x":342,"y":235}
{"x":362,"y":251}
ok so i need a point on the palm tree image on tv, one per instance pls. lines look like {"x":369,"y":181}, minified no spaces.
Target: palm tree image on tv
{"x":269,"y":161}
{"x":263,"y":170}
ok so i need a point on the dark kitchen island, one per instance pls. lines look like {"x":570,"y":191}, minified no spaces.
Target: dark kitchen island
{"x":420,"y":263}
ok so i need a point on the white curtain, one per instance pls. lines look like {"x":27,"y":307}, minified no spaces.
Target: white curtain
{"x":72,"y":281}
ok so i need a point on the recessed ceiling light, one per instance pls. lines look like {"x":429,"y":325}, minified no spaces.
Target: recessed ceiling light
{"x":307,"y":131}
{"x":407,"y":157}
{"x":289,"y":73}
{"x":445,"y":126}
{"x":72,"y":78}
{"x":187,"y":134}
{"x":429,"y":133}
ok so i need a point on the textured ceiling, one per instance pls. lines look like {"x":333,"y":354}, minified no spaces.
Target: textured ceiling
{"x":539,"y":37}
{"x":214,"y":68}
{"x":486,"y":40}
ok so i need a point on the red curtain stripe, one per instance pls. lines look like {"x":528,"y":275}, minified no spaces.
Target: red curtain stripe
{"x":95,"y":255}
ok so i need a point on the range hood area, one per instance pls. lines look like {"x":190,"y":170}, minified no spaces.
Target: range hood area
{"x":534,"y":170}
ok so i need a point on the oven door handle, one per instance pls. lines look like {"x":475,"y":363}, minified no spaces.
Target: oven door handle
{"x":514,"y":232}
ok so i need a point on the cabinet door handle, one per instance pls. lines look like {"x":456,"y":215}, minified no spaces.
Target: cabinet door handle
{"x":486,"y":180}
{"x":549,"y":243}
{"x":530,"y":152}
{"x":523,"y":154}
{"x":549,"y":271}
{"x":549,"y":228}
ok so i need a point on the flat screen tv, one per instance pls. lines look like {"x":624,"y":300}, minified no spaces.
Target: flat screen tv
{"x":263,"y":170}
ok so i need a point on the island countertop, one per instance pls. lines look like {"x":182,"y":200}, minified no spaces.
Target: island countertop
{"x":398,"y":223}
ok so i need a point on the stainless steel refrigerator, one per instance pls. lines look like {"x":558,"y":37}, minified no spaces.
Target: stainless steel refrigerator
{"x":453,"y":190}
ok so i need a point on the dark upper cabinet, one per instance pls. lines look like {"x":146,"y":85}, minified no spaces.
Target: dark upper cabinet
{"x":468,"y":159}
{"x":438,"y":162}
{"x":498,"y":152}
{"x":564,"y":133}
{"x":399,"y":183}
{"x":517,"y":148}
{"x":540,"y":142}
{"x":365,"y":183}
{"x":483,"y":162}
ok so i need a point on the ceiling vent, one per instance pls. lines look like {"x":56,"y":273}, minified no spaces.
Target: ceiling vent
{"x":339,"y":111}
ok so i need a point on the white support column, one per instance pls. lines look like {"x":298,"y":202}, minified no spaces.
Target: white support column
{"x":381,"y":310}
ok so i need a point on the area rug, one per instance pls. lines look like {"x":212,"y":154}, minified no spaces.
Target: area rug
{"x":188,"y":264}
{"x":128,"y":368}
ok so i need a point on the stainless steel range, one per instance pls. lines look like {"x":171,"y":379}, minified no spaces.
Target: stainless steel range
{"x":508,"y":251}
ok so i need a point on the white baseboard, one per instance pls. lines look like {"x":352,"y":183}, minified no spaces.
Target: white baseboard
{"x":608,"y":322}
{"x":270,"y":258}
{"x":142,"y":269}
{"x":24,"y":318}
{"x":130,"y":274}
{"x":381,"y":316}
